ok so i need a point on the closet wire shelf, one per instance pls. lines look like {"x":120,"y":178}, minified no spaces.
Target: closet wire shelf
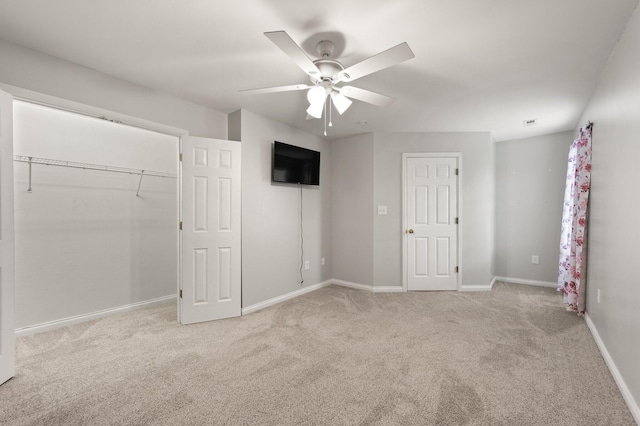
{"x":89,"y":166}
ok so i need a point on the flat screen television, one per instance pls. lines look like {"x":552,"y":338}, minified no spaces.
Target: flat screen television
{"x":292,"y":164}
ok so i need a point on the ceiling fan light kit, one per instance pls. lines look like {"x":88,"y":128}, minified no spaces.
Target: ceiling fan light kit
{"x":317,"y":94}
{"x":341,"y":102}
{"x":315,"y":110}
{"x":326,"y":73}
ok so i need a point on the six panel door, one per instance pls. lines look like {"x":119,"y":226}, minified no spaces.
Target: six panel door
{"x":211,"y":237}
{"x":431,"y":223}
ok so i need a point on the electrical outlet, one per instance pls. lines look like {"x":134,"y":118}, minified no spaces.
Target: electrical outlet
{"x":307,"y":265}
{"x":535,"y":259}
{"x":598,"y":295}
{"x":322,"y":261}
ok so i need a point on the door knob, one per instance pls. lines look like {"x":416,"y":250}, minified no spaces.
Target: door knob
{"x":410,"y":231}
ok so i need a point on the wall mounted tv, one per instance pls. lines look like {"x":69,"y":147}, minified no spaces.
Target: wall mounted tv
{"x":292,"y":164}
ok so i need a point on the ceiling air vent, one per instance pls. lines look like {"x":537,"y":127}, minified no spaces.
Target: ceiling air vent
{"x":531,"y":122}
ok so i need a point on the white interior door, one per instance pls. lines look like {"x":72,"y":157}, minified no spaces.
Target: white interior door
{"x":211,"y":240}
{"x":431,"y":186}
{"x":7,"y":332}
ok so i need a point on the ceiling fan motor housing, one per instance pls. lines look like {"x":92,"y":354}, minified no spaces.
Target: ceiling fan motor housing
{"x":328,"y":69}
{"x":325,"y":48}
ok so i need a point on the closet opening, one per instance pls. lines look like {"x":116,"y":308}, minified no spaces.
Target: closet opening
{"x":96,"y":214}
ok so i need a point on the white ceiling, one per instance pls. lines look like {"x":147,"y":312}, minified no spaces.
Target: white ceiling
{"x":480,"y":65}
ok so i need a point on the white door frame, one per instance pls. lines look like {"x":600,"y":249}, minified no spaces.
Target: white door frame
{"x":405,"y":156}
{"x":62,"y":104}
{"x":7,"y":247}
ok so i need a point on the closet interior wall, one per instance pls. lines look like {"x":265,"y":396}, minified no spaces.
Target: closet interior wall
{"x":85,"y":242}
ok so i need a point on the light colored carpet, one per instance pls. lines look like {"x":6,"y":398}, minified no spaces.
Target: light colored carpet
{"x":513,"y":356}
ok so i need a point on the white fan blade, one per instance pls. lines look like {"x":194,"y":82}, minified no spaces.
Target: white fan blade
{"x":295,"y":52}
{"x":278,"y":89}
{"x":382,"y":60}
{"x":366,"y":96}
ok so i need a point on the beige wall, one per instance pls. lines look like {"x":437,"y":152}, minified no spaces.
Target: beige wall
{"x":530,"y":182}
{"x":614,"y":230}
{"x":374,"y":177}
{"x":476,"y":201}
{"x":352,"y":207}
{"x":84,"y":242}
{"x":46,"y":75}
{"x":271,"y":213}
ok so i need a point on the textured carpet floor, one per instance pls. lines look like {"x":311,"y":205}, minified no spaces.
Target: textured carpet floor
{"x":513,"y":356}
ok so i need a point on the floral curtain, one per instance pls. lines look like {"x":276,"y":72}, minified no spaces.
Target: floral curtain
{"x":573,"y":240}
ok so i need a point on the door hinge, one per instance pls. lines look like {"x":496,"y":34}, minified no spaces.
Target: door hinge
{"x":181,"y":157}
{"x":180,"y":294}
{"x":456,"y":172}
{"x":456,"y":220}
{"x":457,"y":270}
{"x":181,"y":225}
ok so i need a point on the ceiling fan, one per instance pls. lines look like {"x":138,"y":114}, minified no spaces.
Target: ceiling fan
{"x":326,"y":73}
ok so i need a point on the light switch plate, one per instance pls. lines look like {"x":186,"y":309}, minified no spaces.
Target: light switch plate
{"x":382,"y":209}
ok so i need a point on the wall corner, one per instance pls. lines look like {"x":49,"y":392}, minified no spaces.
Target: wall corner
{"x":234,"y":126}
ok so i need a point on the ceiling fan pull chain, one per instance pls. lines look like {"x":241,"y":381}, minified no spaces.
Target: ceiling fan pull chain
{"x":330,"y":103}
{"x":325,"y":119}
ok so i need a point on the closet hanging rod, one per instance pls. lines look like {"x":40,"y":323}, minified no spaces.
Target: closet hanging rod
{"x":88,"y":166}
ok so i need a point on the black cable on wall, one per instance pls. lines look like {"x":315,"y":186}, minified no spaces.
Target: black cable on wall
{"x":301,"y":239}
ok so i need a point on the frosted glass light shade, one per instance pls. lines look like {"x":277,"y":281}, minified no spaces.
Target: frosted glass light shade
{"x":317,"y":95}
{"x":315,"y":110}
{"x":341,"y":102}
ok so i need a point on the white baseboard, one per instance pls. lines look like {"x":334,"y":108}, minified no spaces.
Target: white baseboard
{"x":350,"y":284}
{"x":493,"y":282}
{"x":284,"y":297}
{"x":488,"y":287}
{"x":526,"y":282}
{"x":371,"y":288}
{"x":387,"y":289}
{"x":624,"y":390}
{"x":398,"y":289}
{"x":52,"y":325}
{"x":304,"y":290}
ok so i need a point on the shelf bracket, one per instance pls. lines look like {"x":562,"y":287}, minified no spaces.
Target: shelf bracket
{"x":30,"y":162}
{"x":139,"y":183}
